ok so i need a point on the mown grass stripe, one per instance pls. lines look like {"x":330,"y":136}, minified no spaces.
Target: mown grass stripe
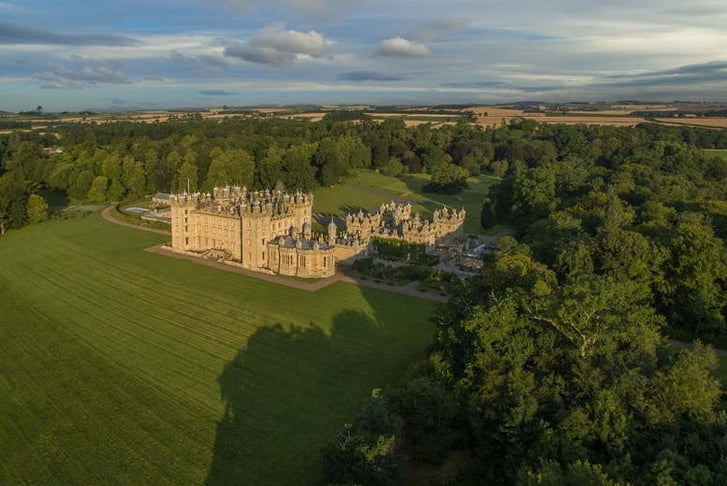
{"x":124,"y":367}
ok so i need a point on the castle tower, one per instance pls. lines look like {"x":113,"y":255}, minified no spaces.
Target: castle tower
{"x":183,"y":224}
{"x":332,"y":230}
{"x":307,"y":233}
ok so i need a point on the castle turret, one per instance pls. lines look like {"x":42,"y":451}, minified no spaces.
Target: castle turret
{"x":307,"y":231}
{"x":332,"y":230}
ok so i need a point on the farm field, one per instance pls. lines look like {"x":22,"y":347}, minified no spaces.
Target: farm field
{"x":123,"y":367}
{"x":368,"y":189}
{"x":493,"y":116}
{"x":707,"y":122}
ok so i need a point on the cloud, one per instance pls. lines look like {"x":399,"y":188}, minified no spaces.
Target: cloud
{"x":260,"y":55}
{"x":15,"y":34}
{"x":311,"y":8}
{"x":274,"y":36}
{"x":692,"y":74}
{"x":216,"y":92}
{"x":61,"y":84}
{"x":400,"y":47}
{"x":427,"y":31}
{"x":369,"y":76}
{"x":475,"y":84}
{"x":278,"y":47}
{"x":212,"y":62}
{"x":707,"y":68}
{"x":59,"y":76}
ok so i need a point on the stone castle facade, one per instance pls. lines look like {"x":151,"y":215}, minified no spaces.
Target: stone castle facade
{"x":270,"y":231}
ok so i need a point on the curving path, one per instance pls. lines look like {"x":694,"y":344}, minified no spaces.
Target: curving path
{"x":108,"y":214}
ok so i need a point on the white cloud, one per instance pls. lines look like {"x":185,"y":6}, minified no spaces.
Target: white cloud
{"x":274,"y":36}
{"x":313,"y":8}
{"x":260,"y":55}
{"x":60,"y":76}
{"x":400,"y":47}
{"x":278,"y":47}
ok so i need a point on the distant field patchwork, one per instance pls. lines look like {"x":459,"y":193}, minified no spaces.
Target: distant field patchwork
{"x":123,"y":367}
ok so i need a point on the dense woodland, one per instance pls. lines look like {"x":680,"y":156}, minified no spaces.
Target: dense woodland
{"x":552,"y":366}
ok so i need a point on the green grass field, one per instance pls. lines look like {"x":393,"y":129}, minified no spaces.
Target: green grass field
{"x":722,"y":154}
{"x":124,"y":367}
{"x":368,"y":189}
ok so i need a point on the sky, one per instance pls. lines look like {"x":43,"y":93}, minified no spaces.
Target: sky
{"x":148,"y":54}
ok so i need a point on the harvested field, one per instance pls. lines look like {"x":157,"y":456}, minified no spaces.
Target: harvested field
{"x":573,"y":119}
{"x":696,"y":122}
{"x":494,"y":116}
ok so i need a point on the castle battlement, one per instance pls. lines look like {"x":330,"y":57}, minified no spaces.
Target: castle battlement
{"x":259,"y":230}
{"x":395,"y":221}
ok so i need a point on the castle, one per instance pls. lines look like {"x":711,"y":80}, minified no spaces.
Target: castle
{"x":270,"y":231}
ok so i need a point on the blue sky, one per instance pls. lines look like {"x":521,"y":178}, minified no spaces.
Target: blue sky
{"x":129,"y":54}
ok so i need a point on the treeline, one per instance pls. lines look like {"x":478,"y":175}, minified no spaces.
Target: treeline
{"x":552,"y":366}
{"x":13,"y":124}
{"x":120,"y":160}
{"x":681,"y":113}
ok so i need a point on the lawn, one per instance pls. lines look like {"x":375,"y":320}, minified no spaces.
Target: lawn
{"x":722,"y":154}
{"x":721,"y":371}
{"x":124,"y":367}
{"x":368,"y":189}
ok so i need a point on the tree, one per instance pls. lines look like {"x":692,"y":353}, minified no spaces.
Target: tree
{"x":447,"y":178}
{"x":580,"y":473}
{"x":534,"y":195}
{"x":187,"y":179}
{"x":80,"y":184}
{"x":133,"y":177}
{"x":37,"y":209}
{"x":697,"y":273}
{"x":393,"y":168}
{"x":331,"y":161}
{"x":297,"y":171}
{"x":488,"y":218}
{"x":499,"y":167}
{"x":230,"y":167}
{"x":97,"y":192}
{"x":13,"y":201}
{"x":267,"y":172}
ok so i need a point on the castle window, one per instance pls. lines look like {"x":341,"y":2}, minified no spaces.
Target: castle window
{"x":263,"y":255}
{"x":263,"y":241}
{"x":186,"y":241}
{"x":324,"y":262}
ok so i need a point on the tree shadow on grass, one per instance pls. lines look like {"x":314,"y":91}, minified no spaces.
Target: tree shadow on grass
{"x":290,"y":390}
